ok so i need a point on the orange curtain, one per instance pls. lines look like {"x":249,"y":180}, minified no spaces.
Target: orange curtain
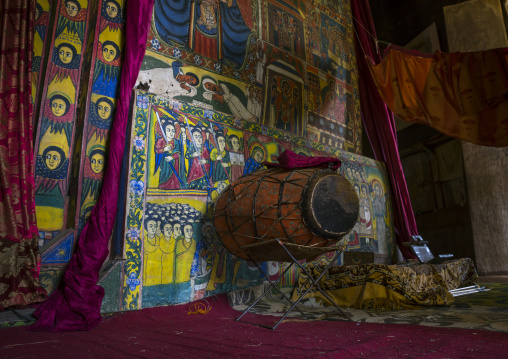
{"x":19,"y":250}
{"x":463,"y":95}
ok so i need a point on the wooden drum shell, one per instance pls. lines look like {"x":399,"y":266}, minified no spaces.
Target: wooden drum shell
{"x":296,"y":206}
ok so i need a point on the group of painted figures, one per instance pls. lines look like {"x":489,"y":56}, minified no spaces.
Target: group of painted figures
{"x":200,"y":157}
{"x":183,"y":256}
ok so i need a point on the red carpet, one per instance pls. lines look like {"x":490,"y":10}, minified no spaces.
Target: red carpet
{"x":168,"y":332}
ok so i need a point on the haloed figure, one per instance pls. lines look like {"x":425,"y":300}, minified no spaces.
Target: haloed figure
{"x":72,"y":7}
{"x":59,"y":105}
{"x":110,"y":51}
{"x":97,"y":160}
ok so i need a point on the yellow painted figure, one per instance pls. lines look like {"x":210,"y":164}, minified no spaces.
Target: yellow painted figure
{"x":185,"y":249}
{"x":167,"y":246}
{"x":152,"y":255}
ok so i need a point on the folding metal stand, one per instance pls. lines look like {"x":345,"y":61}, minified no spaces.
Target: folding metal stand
{"x":253,"y":253}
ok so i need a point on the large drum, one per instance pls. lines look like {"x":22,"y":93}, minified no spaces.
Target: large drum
{"x":307,"y":208}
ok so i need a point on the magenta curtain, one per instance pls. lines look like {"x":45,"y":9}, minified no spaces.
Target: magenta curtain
{"x":19,"y":247}
{"x":76,"y":304}
{"x":380,"y":125}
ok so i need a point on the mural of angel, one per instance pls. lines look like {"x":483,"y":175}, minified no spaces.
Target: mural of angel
{"x":65,"y":62}
{"x":111,"y":15}
{"x":102,"y":113}
{"x":72,"y":16}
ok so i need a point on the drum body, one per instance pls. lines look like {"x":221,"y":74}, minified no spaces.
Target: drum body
{"x":306,"y":207}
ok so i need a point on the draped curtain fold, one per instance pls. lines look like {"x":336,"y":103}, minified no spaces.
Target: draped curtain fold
{"x":380,"y":125}
{"x":76,"y":304}
{"x":19,"y":248}
{"x":463,"y":95}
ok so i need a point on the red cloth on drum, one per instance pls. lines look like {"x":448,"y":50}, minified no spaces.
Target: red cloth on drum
{"x":289,"y":159}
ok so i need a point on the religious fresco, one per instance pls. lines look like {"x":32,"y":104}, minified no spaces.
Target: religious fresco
{"x":41,"y":23}
{"x":55,"y":135}
{"x":288,"y":65}
{"x":181,"y":158}
{"x":99,"y":103}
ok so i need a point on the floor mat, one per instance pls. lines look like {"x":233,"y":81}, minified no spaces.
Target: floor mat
{"x":485,"y":310}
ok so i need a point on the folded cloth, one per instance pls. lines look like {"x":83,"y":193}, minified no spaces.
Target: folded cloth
{"x":289,"y":159}
{"x":380,"y":286}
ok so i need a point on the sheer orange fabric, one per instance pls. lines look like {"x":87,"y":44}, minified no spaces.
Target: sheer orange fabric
{"x":463,"y":95}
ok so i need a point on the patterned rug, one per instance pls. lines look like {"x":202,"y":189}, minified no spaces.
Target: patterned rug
{"x":486,"y":310}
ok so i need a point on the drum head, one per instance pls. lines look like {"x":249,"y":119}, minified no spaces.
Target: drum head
{"x":329,"y":205}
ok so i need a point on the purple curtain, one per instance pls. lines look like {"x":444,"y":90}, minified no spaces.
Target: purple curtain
{"x":76,"y":304}
{"x":380,"y":125}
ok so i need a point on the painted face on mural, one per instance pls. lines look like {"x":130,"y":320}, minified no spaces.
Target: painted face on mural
{"x":235,"y":142}
{"x":72,"y":8}
{"x":221,"y":187}
{"x":104,"y":110}
{"x":53,"y":159}
{"x":187,"y":78}
{"x":209,"y":232}
{"x":188,"y":231}
{"x":111,"y":9}
{"x":377,"y":190}
{"x":221,"y":142}
{"x":65,"y":54}
{"x":109,"y":52}
{"x":258,"y":156}
{"x":97,"y":162}
{"x":170,"y":132}
{"x":198,"y":138}
{"x":167,"y":230}
{"x":151,"y":227}
{"x":177,"y":230}
{"x":58,"y":107}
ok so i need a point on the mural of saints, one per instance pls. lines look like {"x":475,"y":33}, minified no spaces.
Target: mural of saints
{"x":254,"y":162}
{"x":168,"y":154}
{"x":214,"y":29}
{"x":198,"y":156}
{"x":221,"y":161}
{"x":236,"y":156}
{"x":169,"y":251}
{"x":379,"y":210}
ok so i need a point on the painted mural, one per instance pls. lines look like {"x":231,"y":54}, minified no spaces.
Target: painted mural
{"x":282,"y":64}
{"x":181,"y":159}
{"x":41,"y":23}
{"x":55,"y":135}
{"x":100,"y":103}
